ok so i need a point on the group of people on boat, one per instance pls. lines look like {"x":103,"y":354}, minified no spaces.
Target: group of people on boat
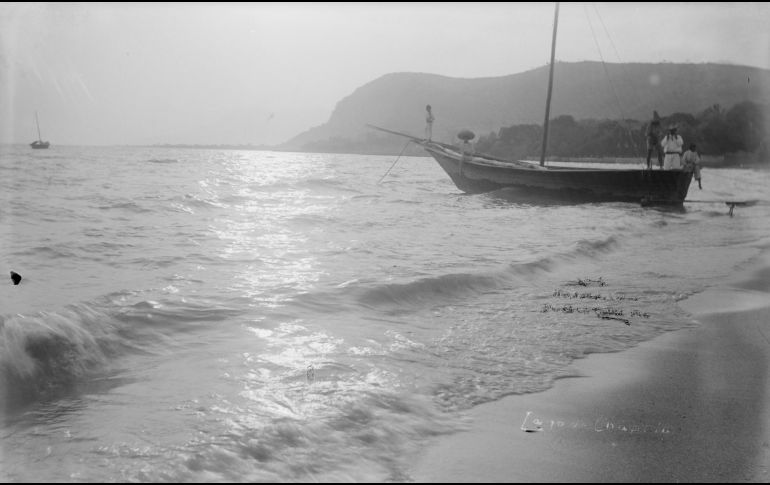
{"x":668,"y":147}
{"x":669,"y":150}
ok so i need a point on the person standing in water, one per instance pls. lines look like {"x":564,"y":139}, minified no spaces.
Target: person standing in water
{"x":691,"y":163}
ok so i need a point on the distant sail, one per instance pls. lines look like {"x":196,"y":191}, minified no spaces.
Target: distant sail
{"x":39,"y":143}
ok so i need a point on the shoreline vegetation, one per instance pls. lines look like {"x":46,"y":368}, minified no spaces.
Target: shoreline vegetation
{"x":733,"y":137}
{"x":737,"y":134}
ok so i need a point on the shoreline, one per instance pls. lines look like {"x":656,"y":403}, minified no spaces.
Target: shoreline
{"x":690,"y":405}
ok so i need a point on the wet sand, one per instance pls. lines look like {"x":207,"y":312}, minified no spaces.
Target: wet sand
{"x":691,"y":405}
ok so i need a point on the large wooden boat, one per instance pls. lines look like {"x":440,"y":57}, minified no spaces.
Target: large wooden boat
{"x":478,"y":173}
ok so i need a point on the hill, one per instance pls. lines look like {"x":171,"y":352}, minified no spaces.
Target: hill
{"x":583,"y":90}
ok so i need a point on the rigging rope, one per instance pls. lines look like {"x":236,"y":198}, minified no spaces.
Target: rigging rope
{"x":609,"y":79}
{"x":394,"y":163}
{"x":617,"y":54}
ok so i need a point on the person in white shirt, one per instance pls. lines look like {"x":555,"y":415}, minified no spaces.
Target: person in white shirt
{"x":691,"y":163}
{"x":672,"y":145}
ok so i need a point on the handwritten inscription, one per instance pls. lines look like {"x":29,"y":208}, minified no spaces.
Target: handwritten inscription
{"x":588,"y":282}
{"x":601,"y":312}
{"x":604,"y":312}
{"x":592,"y":296}
{"x":533,"y":423}
{"x":575,"y":309}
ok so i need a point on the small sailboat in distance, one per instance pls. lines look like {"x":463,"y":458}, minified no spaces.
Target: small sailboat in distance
{"x":39,"y":143}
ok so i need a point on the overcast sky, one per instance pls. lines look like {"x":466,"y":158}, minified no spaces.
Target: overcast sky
{"x":102,"y":74}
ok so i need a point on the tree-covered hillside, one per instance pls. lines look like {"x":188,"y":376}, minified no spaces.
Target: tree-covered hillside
{"x":745,"y":127}
{"x":583,"y":90}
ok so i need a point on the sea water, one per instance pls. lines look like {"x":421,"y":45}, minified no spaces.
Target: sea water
{"x":223,"y":315}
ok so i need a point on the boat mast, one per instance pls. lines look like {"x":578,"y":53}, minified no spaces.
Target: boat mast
{"x":40,"y":138}
{"x":550,"y":87}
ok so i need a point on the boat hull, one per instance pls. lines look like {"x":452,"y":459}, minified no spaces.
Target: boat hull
{"x":39,"y":144}
{"x":478,"y":175}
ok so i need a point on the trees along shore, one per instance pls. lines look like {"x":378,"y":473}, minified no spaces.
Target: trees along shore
{"x":737,"y":136}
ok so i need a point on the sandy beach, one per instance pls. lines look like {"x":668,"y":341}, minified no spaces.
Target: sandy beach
{"x":688,"y":406}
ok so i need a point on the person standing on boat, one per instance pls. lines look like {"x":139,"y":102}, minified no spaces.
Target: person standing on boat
{"x":691,"y":163}
{"x":653,"y":141}
{"x":672,"y":147}
{"x":429,"y":123}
